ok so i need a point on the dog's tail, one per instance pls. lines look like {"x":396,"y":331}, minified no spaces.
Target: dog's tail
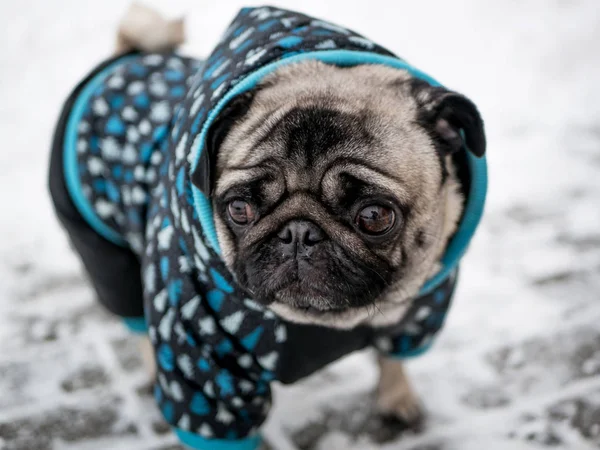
{"x":145,"y":29}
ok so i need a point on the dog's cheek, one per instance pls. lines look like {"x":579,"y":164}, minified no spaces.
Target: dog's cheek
{"x":416,"y":245}
{"x":256,"y":268}
{"x":359,"y":280}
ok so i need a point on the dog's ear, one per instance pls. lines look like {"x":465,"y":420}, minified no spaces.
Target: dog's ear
{"x":236,"y":109}
{"x":452,"y":119}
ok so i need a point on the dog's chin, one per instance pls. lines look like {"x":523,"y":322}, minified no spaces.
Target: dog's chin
{"x":379,"y":314}
{"x":309,"y":300}
{"x":297,"y":303}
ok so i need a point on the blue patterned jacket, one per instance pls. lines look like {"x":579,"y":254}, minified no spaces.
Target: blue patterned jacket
{"x":134,"y":136}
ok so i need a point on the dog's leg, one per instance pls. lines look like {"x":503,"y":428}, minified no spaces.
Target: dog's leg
{"x":395,"y":396}
{"x":148,"y":358}
{"x":143,"y":28}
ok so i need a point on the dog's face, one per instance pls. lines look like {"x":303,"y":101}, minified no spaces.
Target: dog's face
{"x":335,"y":192}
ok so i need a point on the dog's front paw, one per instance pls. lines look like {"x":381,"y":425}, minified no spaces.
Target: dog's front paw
{"x":403,"y":407}
{"x":396,"y":399}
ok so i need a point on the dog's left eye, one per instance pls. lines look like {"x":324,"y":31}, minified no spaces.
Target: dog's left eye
{"x":375,"y":220}
{"x":240,"y":212}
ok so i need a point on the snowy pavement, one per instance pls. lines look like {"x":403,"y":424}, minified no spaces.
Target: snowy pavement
{"x":518,"y":365}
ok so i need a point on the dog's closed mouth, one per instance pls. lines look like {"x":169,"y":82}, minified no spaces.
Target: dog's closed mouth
{"x":313,"y":309}
{"x":317,"y":305}
{"x":312,"y":299}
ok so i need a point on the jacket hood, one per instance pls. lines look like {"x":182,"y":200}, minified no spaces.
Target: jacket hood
{"x":259,"y":41}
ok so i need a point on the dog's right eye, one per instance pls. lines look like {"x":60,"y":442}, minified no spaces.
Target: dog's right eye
{"x":240,"y":212}
{"x":375,"y":220}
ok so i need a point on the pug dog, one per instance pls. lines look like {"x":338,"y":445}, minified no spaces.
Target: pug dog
{"x":337,"y":194}
{"x":332,"y":191}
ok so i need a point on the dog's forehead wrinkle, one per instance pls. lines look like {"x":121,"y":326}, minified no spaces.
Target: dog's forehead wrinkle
{"x":299,"y":180}
{"x":381,"y":113}
{"x":384,"y":182}
{"x":241,"y":145}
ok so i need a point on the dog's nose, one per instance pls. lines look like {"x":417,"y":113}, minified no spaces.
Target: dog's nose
{"x":299,"y":238}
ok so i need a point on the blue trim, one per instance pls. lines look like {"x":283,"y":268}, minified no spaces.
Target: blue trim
{"x":466,"y":229}
{"x":477,"y":166}
{"x":70,"y":163}
{"x":197,"y":442}
{"x":412,"y":353}
{"x":136,"y":325}
{"x":205,"y":214}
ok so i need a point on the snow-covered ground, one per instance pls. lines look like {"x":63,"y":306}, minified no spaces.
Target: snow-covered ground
{"x":518,"y":365}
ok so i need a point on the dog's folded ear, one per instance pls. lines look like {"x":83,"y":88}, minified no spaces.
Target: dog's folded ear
{"x":205,"y":173}
{"x":452,"y":119}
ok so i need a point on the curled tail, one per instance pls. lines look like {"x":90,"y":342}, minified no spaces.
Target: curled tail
{"x":145,"y":29}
